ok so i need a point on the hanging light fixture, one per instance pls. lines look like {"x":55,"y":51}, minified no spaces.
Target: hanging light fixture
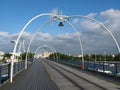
{"x":60,"y":24}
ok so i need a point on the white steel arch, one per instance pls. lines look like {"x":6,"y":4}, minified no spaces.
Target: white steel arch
{"x":80,"y":42}
{"x":46,"y":46}
{"x":18,"y":38}
{"x":61,"y":18}
{"x":32,"y":40}
{"x":53,"y":48}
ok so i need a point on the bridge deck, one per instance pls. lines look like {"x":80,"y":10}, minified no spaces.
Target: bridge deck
{"x":45,"y":75}
{"x":35,"y":78}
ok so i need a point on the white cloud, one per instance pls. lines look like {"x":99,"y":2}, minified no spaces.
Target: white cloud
{"x":68,"y":42}
{"x":4,"y":34}
{"x":112,"y":19}
{"x":92,"y":15}
{"x":89,"y":26}
{"x":54,"y":11}
{"x":76,"y":20}
{"x":92,"y":36}
{"x":111,"y":14}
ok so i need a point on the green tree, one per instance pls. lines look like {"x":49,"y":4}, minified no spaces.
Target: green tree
{"x":117,"y":57}
{"x":23,"y":56}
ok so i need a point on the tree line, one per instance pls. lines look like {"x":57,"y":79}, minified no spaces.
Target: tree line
{"x":87,"y":57}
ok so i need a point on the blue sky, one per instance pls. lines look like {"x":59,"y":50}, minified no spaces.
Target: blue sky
{"x":15,"y":13}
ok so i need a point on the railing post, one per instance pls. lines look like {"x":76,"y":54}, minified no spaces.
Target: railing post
{"x":18,"y":67}
{"x":116,"y":69}
{"x":88,"y":64}
{"x":14,"y":68}
{"x":94,"y":65}
{"x":103,"y":66}
{"x":21,"y":65}
{"x":9,"y":70}
{"x":0,"y":74}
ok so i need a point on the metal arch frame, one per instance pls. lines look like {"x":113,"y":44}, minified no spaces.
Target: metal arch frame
{"x":102,"y":25}
{"x":41,"y":51}
{"x":80,"y":42}
{"x":51,"y":48}
{"x":32,"y":40}
{"x":18,"y":38}
{"x":21,"y":46}
{"x":61,"y":19}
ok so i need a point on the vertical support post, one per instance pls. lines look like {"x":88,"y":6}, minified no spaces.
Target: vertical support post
{"x":0,"y":74}
{"x":9,"y":70}
{"x":21,"y":64}
{"x":24,"y":64}
{"x":18,"y":67}
{"x":94,"y":65}
{"x":103,"y":66}
{"x":14,"y":71}
{"x":116,"y":69}
{"x":88,"y":65}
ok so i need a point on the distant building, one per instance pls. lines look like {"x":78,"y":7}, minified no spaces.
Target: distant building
{"x":1,"y":55}
{"x":9,"y":59}
{"x":78,"y":55}
{"x":43,"y":55}
{"x":46,"y":54}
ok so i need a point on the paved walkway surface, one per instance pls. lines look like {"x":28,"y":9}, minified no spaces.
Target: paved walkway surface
{"x":97,"y":81}
{"x":35,"y":78}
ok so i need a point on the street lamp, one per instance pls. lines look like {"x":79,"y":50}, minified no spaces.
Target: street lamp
{"x":12,"y":41}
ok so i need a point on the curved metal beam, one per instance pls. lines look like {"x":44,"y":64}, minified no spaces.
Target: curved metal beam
{"x":80,"y":42}
{"x":14,"y":50}
{"x":51,"y":48}
{"x":61,"y":18}
{"x":54,"y":50}
{"x":32,"y":40}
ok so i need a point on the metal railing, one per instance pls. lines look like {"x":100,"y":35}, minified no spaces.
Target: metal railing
{"x":5,"y":70}
{"x":108,"y":67}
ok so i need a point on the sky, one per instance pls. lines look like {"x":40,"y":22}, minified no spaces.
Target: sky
{"x":14,"y":14}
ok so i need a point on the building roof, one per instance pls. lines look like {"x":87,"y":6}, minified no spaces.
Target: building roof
{"x":2,"y":53}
